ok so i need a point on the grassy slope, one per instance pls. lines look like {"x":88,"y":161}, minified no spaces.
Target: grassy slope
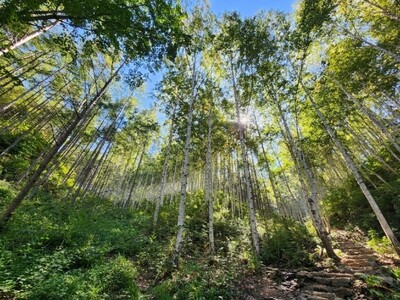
{"x":95,"y":250}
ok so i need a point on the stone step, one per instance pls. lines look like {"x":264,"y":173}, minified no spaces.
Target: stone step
{"x":315,"y":295}
{"x":357,"y":259}
{"x":312,"y":274}
{"x":358,"y":251}
{"x":354,"y":249}
{"x":334,"y":281}
{"x":365,"y":272}
{"x":337,"y":291}
{"x":361,"y":264}
{"x":348,"y":244}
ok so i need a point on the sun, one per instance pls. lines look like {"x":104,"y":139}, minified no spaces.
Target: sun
{"x":244,"y":120}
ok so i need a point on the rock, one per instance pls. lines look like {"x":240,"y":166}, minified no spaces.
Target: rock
{"x":341,"y":282}
{"x":321,"y":295}
{"x":343,"y":292}
{"x":388,"y":281}
{"x":323,"y":280}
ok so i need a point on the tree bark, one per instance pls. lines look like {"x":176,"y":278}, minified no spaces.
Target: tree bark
{"x":27,"y":38}
{"x":48,"y":157}
{"x":381,"y":219}
{"x":160,"y":198}
{"x":299,"y":160}
{"x":208,"y":191}
{"x":249,"y":193}
{"x":184,"y":176}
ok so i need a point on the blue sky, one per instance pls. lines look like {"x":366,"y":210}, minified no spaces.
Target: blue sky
{"x":250,"y":7}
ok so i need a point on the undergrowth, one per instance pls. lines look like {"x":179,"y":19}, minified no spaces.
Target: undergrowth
{"x":384,"y":288}
{"x":93,"y":249}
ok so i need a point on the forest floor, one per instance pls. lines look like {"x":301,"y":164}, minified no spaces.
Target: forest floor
{"x":347,"y":280}
{"x":96,"y":250}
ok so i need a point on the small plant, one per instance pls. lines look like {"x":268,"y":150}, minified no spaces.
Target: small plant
{"x":383,"y":288}
{"x":6,"y":191}
{"x":379,"y":244}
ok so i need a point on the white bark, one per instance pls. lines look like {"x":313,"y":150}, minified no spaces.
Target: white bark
{"x":208,"y":186}
{"x":27,"y":38}
{"x":299,"y":159}
{"x":159,"y":201}
{"x":382,"y":220}
{"x":184,"y":176}
{"x":250,"y":200}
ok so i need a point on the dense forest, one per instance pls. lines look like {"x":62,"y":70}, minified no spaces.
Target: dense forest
{"x":264,"y":164}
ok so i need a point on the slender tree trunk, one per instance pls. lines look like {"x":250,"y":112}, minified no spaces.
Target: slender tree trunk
{"x":368,"y":149}
{"x":275,"y":190}
{"x":369,"y":114}
{"x":250,"y":200}
{"x":385,"y":226}
{"x":48,"y":157}
{"x":230,"y":185}
{"x":372,"y":45}
{"x":134,"y":177}
{"x":160,"y":199}
{"x":384,"y":11}
{"x":96,"y":169}
{"x":185,"y":165}
{"x":13,"y":80}
{"x":208,"y":191}
{"x":298,"y":158}
{"x":9,"y":105}
{"x":27,"y":63}
{"x":239,"y":186}
{"x":124,"y":173}
{"x":107,"y":137}
{"x":173,"y":182}
{"x":27,"y":38}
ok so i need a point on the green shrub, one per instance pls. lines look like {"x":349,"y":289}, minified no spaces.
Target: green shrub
{"x":7,"y":193}
{"x":288,"y":244}
{"x":162,"y":291}
{"x":51,"y":250}
{"x":380,"y":244}
{"x":115,"y":279}
{"x":381,"y":288}
{"x":347,"y":206}
{"x":198,"y":281}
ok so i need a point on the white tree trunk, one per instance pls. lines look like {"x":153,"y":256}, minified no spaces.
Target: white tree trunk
{"x":184,"y":174}
{"x":382,"y":220}
{"x":250,"y":200}
{"x":159,"y":201}
{"x":369,"y":114}
{"x":27,"y":38}
{"x":299,"y":159}
{"x":208,"y":185}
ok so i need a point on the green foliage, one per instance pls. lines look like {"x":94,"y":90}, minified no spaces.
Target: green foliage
{"x":13,"y":165}
{"x":95,"y":250}
{"x":383,"y":288}
{"x":211,"y":278}
{"x":104,"y":24}
{"x":347,"y":207}
{"x":6,"y":191}
{"x":287,"y":243}
{"x":379,"y":244}
{"x":56,"y":251}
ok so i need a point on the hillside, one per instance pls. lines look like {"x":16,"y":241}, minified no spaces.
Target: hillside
{"x":263,"y":163}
